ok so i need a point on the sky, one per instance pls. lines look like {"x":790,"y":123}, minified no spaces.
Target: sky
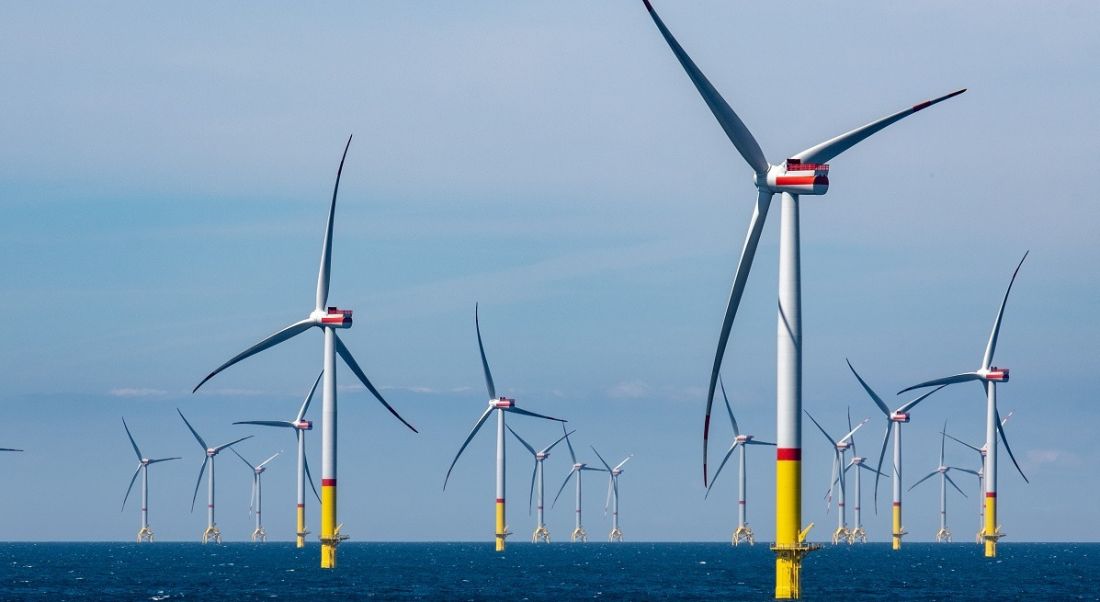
{"x":164,"y":179}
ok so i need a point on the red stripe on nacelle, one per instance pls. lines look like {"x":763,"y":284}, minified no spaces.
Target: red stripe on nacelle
{"x":793,"y":454}
{"x":800,"y":180}
{"x":328,"y":482}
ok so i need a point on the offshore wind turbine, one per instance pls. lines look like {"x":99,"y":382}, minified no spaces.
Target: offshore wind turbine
{"x":944,"y":534}
{"x":541,"y":532}
{"x":804,"y":173}
{"x":300,"y":426}
{"x":255,"y":501}
{"x":501,"y":405}
{"x":743,"y":532}
{"x":840,"y":447}
{"x":894,"y":420}
{"x":980,"y":537}
{"x":988,"y":375}
{"x":579,"y":534}
{"x":857,"y":532}
{"x":328,"y":319}
{"x":212,"y":533}
{"x":145,"y":534}
{"x":616,"y":534}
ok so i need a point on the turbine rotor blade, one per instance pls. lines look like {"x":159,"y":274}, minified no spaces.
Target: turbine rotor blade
{"x":289,"y":332}
{"x":309,"y":398}
{"x":309,"y":477}
{"x":531,"y":493}
{"x":489,"y":386}
{"x":990,"y":347}
{"x":923,"y":479}
{"x":947,"y":380}
{"x":477,"y":427}
{"x":246,"y":462}
{"x":881,"y":455}
{"x":231,"y":444}
{"x":279,"y":423}
{"x":264,"y":463}
{"x":1008,"y":448}
{"x":602,"y":461}
{"x":350,"y":361}
{"x":874,"y":396}
{"x":729,"y":410}
{"x":132,"y":443}
{"x":832,"y":442}
{"x":853,"y":431}
{"x":198,"y":482}
{"x":164,"y":460}
{"x":956,"y":440}
{"x":132,"y":479}
{"x":569,"y":444}
{"x":523,"y":412}
{"x":620,"y":464}
{"x":193,"y":432}
{"x":560,"y":439}
{"x":911,"y":404}
{"x":720,"y":467}
{"x":326,"y":247}
{"x":525,"y":444}
{"x":953,"y":484}
{"x":563,"y":484}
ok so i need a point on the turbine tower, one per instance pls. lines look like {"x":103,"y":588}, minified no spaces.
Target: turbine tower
{"x":145,"y":534}
{"x":501,"y":405}
{"x":944,"y":534}
{"x":840,"y":447}
{"x":541,"y":532}
{"x":616,"y":534}
{"x":212,"y":533}
{"x":300,"y":426}
{"x":980,"y":537}
{"x":894,"y":420}
{"x":328,"y":319}
{"x":743,"y":532}
{"x":804,"y":173}
{"x":988,"y":375}
{"x":857,"y":532}
{"x":579,"y":534}
{"x":255,"y":501}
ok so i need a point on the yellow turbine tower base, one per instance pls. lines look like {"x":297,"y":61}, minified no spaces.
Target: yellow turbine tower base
{"x":145,"y":535}
{"x":743,"y":535}
{"x":616,"y":535}
{"x":858,"y":534}
{"x":330,"y":531}
{"x":300,"y":536}
{"x":212,"y":535}
{"x":899,"y":531}
{"x":992,"y":531}
{"x":790,"y":546}
{"x":328,"y":547}
{"x":502,"y":529}
{"x":943,"y":536}
{"x":542,"y":534}
{"x":579,"y":534}
{"x":259,"y":535}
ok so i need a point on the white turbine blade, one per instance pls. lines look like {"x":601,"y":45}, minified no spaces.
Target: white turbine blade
{"x":164,"y":460}
{"x":477,"y":427}
{"x":1004,"y":420}
{"x":853,"y":431}
{"x":291,"y":331}
{"x":943,"y":441}
{"x":956,"y":440}
{"x":966,"y":470}
{"x":865,"y":467}
{"x":881,"y":455}
{"x":833,"y":478}
{"x":531,"y":493}
{"x":947,"y":380}
{"x":252,"y":497}
{"x":825,"y":151}
{"x":572,"y":471}
{"x":987,"y":359}
{"x":560,"y":439}
{"x":735,"y":129}
{"x":832,"y":442}
{"x":264,"y":463}
{"x":309,"y":476}
{"x":132,"y":479}
{"x":757,"y":442}
{"x":230,"y":444}
{"x":193,"y":432}
{"x":594,"y":469}
{"x":1008,"y":448}
{"x":721,"y":465}
{"x":607,"y":501}
{"x":132,"y":443}
{"x":198,"y":482}
{"x":489,"y":386}
{"x":569,"y":444}
{"x":326,"y":247}
{"x":525,"y":444}
{"x":355,"y":369}
{"x":925,"y":478}
{"x":523,"y":412}
{"x":953,"y":484}
{"x":729,"y":410}
{"x":246,"y":462}
{"x":620,"y":464}
{"x":744,"y":264}
{"x":874,"y":396}
{"x":280,"y":423}
{"x":911,"y":404}
{"x":309,"y":398}
{"x":602,"y":461}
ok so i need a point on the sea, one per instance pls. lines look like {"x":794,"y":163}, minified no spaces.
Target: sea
{"x":559,"y":572}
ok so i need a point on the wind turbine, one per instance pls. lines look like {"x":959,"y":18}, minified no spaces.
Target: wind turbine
{"x":980,"y":537}
{"x":501,"y":405}
{"x":300,"y":426}
{"x":857,"y":532}
{"x":541,"y":532}
{"x":145,"y":534}
{"x":328,"y":319}
{"x":840,"y":447}
{"x":616,"y":534}
{"x":256,"y":499}
{"x":579,"y":534}
{"x":212,"y":533}
{"x":894,"y":420}
{"x":944,"y":534}
{"x":804,"y":173}
{"x":988,"y":375}
{"x":743,"y":532}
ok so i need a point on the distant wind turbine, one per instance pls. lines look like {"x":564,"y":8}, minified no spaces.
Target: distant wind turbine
{"x":541,"y":534}
{"x":145,"y":534}
{"x":980,"y":537}
{"x":944,"y":534}
{"x":616,"y":534}
{"x":840,"y":447}
{"x":579,"y":534}
{"x":212,"y":533}
{"x":255,"y":501}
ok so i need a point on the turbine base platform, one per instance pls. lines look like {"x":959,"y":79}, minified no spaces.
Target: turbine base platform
{"x":259,"y":535}
{"x":542,"y":534}
{"x":300,"y":538}
{"x":980,"y":537}
{"x":212,"y":535}
{"x":990,"y":541}
{"x":616,"y":535}
{"x":842,"y":535}
{"x":579,"y":534}
{"x":943,"y":536}
{"x":857,"y":534}
{"x":743,"y":534}
{"x":145,"y":535}
{"x":788,"y":568}
{"x":896,"y":537}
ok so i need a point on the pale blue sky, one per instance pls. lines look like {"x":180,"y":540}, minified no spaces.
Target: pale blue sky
{"x":164,"y":174}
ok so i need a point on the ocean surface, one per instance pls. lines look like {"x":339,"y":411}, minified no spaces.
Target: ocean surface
{"x":560,"y":571}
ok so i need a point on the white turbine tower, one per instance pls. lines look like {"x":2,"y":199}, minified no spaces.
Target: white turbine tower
{"x":501,"y":405}
{"x":988,"y":375}
{"x":980,"y":537}
{"x":328,"y":319}
{"x":145,"y":534}
{"x":541,"y":532}
{"x":804,"y":173}
{"x":255,"y":501}
{"x":579,"y":534}
{"x":300,"y":426}
{"x":743,"y":532}
{"x":616,"y":534}
{"x":944,"y":534}
{"x":857,"y":532}
{"x":894,"y":420}
{"x":212,"y":533}
{"x":840,"y":447}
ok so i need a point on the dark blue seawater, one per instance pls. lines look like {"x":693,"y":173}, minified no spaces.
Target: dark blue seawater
{"x":467,"y":571}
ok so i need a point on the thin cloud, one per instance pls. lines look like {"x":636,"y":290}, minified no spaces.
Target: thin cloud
{"x":137,"y":392}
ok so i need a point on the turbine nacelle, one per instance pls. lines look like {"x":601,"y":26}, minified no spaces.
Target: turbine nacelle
{"x":502,"y":403}
{"x":843,"y":446}
{"x":743,"y":439}
{"x":211,"y":452}
{"x":994,"y":374}
{"x":304,"y":425}
{"x":858,"y":460}
{"x":333,"y":317}
{"x":540,"y":456}
{"x":899,"y":417}
{"x":579,"y":466}
{"x":796,"y":177}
